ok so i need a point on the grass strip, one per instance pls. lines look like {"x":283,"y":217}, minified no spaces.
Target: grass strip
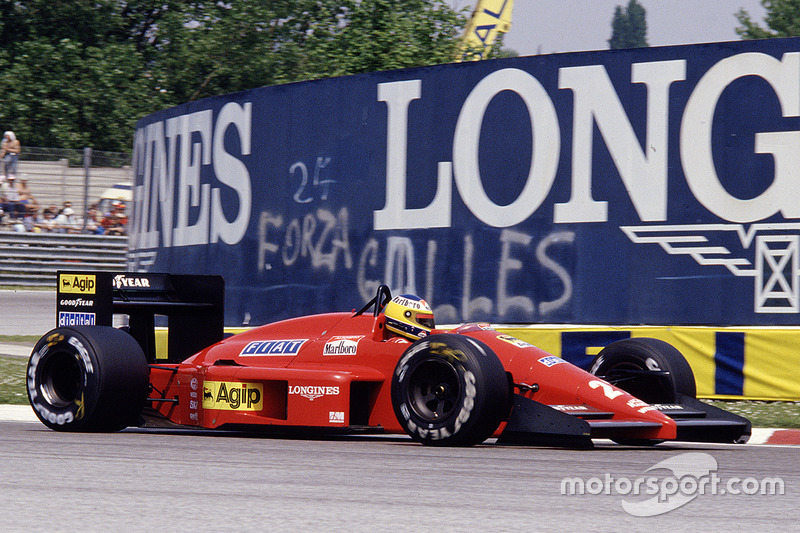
{"x":12,"y":380}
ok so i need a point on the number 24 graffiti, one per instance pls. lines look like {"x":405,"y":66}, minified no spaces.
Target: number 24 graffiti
{"x":305,"y":192}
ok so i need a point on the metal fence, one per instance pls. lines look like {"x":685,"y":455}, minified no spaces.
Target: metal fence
{"x":32,"y":259}
{"x":56,"y":176}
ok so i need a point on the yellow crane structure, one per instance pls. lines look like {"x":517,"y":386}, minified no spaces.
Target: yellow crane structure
{"x":489,"y":19}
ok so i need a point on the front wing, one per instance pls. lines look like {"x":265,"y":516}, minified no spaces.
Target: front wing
{"x":534,"y":423}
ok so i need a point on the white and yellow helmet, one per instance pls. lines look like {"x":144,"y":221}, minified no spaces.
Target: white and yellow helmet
{"x":410,"y":316}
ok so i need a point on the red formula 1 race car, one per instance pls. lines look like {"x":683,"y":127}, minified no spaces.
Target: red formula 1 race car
{"x":383,"y":368}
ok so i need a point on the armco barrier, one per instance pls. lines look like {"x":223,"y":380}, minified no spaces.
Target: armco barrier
{"x":32,"y":259}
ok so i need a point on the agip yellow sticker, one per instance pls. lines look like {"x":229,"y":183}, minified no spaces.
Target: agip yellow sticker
{"x":77,"y":284}
{"x":233,"y":396}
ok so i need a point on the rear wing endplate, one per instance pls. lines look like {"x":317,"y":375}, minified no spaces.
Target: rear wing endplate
{"x":192,"y":304}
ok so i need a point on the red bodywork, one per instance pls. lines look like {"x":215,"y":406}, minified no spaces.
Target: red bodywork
{"x":334,"y":372}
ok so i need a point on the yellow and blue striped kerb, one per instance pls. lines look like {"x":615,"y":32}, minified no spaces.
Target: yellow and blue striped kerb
{"x":742,"y":363}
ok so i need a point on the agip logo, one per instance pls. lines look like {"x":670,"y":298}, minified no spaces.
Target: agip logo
{"x":77,"y":284}
{"x":233,"y":396}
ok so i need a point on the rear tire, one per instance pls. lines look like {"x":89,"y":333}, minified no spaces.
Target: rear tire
{"x":450,"y":390}
{"x":87,"y":378}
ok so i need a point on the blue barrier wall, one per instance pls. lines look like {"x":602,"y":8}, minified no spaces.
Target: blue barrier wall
{"x":650,"y":186}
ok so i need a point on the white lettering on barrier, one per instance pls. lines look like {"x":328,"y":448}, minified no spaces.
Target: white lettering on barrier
{"x":544,"y":153}
{"x":398,"y":96}
{"x":596,"y":102}
{"x":643,"y":172}
{"x":698,"y":122}
{"x":158,"y":146}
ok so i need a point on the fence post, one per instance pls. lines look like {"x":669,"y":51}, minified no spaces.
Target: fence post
{"x":87,"y":163}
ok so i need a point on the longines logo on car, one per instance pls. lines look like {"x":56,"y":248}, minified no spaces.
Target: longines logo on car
{"x":312,"y":392}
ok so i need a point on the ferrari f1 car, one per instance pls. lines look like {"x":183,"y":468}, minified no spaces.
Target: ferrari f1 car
{"x":384,"y":368}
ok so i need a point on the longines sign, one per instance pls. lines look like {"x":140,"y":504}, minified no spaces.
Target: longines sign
{"x":646,"y":186}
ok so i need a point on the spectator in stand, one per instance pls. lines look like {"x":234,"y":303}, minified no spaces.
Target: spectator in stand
{"x":66,"y":222}
{"x":9,"y":153}
{"x":114,"y":223}
{"x":47,"y":222}
{"x":4,"y":190}
{"x":10,"y":198}
{"x":25,"y":194}
{"x":118,"y":223}
{"x":28,"y":222}
{"x":94,"y":221}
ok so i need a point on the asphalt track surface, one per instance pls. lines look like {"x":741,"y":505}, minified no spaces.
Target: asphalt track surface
{"x":206,"y":481}
{"x":27,"y":312}
{"x":202,"y":481}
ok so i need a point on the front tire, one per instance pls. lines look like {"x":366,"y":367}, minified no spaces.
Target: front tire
{"x":650,"y":369}
{"x":87,"y":378}
{"x":450,"y":390}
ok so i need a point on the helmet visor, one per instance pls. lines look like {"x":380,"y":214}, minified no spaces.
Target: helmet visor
{"x":426,"y":321}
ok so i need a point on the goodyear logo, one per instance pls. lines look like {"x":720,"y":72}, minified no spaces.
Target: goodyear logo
{"x":75,"y":319}
{"x":77,"y":284}
{"x":233,"y":396}
{"x":276,"y":347}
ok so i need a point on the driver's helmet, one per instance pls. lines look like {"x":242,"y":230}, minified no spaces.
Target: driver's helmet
{"x":410,"y":316}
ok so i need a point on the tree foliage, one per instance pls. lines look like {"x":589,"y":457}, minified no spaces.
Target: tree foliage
{"x":783,"y":20}
{"x":77,"y":73}
{"x":629,"y":27}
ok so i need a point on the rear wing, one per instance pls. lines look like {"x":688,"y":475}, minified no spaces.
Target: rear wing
{"x":192,"y":306}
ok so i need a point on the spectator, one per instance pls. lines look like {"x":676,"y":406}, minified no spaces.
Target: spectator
{"x":65,"y":221}
{"x":4,"y":190}
{"x":118,"y":222}
{"x":47,"y":222}
{"x":28,"y":222}
{"x":9,"y":153}
{"x":25,"y":194}
{"x":114,"y":222}
{"x":10,"y":199}
{"x":94,"y":221}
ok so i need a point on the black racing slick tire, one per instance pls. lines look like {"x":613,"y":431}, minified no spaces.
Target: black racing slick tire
{"x":87,"y":378}
{"x":450,"y":390}
{"x":650,"y":369}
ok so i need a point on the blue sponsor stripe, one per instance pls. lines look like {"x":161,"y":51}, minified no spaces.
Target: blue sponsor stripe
{"x":66,"y":318}
{"x":729,"y":361}
{"x":575,"y":343}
